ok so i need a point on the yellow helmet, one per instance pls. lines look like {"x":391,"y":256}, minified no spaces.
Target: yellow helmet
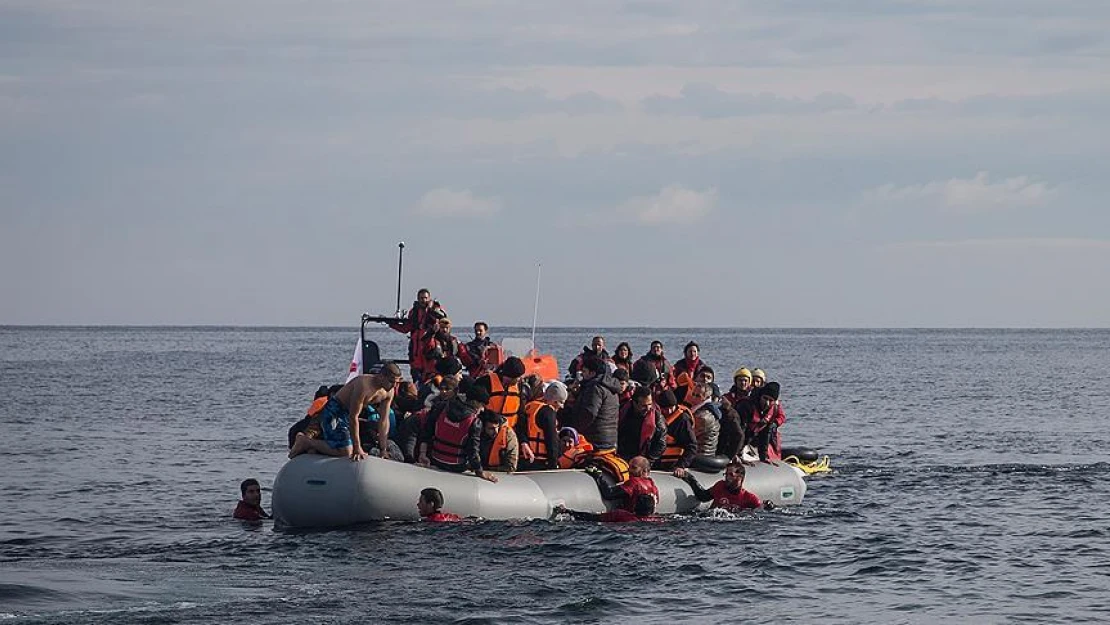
{"x":742,"y":372}
{"x":758,"y":373}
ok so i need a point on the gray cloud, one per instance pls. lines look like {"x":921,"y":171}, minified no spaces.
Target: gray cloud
{"x":708,"y":101}
{"x":1071,"y":103}
{"x":225,"y":156}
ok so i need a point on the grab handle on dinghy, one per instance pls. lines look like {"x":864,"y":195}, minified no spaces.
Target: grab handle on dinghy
{"x":709,"y":464}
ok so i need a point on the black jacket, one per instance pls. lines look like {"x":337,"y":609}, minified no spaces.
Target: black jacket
{"x":596,"y":410}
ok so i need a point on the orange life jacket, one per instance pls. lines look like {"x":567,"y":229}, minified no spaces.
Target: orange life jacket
{"x":536,"y":438}
{"x":504,"y":401}
{"x":609,"y":461}
{"x":674,"y":451}
{"x":576,"y":455}
{"x":497,"y":449}
{"x":685,"y":380}
{"x":317,"y":406}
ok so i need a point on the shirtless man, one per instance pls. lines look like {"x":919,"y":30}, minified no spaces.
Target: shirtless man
{"x":339,"y":434}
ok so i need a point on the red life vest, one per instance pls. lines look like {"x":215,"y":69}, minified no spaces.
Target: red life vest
{"x":636,"y":486}
{"x":442,"y":517}
{"x":449,"y":440}
{"x":725,"y":498}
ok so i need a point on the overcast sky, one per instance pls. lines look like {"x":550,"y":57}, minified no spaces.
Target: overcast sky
{"x":790,"y":163}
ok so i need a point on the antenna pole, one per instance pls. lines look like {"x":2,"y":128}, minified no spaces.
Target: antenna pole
{"x":536,"y":310}
{"x":400,"y":263}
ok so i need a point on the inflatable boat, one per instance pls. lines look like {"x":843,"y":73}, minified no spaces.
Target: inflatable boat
{"x":313,"y":491}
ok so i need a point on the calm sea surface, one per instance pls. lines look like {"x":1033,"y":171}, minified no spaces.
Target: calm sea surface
{"x":971,"y":485}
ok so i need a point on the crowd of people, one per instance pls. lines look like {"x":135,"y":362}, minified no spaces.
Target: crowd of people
{"x":469,"y":408}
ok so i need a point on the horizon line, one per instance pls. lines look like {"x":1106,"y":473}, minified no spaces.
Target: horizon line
{"x":528,"y":327}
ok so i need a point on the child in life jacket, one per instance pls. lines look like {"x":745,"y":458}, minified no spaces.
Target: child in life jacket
{"x":429,"y":504}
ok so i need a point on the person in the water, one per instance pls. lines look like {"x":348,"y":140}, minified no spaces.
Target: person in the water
{"x":250,"y":506}
{"x":429,"y":504}
{"x":643,"y":510}
{"x":728,"y":493}
{"x":628,"y":492}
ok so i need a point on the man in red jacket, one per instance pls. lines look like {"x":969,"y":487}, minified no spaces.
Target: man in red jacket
{"x":250,"y":506}
{"x":728,"y":493}
{"x":422,"y":318}
{"x":429,"y":504}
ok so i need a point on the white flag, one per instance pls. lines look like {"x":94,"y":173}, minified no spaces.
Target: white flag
{"x":356,"y":362}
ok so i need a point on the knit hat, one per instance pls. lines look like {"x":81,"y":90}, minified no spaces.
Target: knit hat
{"x":513,"y":367}
{"x":771,"y":390}
{"x":555,"y":392}
{"x":758,"y":373}
{"x":644,"y":372}
{"x":742,"y":372}
{"x":448,"y":366}
{"x":474,"y":392}
{"x":667,"y":399}
{"x":571,"y":431}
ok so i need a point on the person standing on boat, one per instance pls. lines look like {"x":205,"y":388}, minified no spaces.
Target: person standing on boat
{"x":503,"y":386}
{"x":422,"y":317}
{"x":339,"y":417}
{"x":476,"y":347}
{"x":596,"y":407}
{"x":641,"y":429}
{"x":622,"y":357}
{"x":438,"y":345}
{"x":539,"y":429}
{"x":691,"y":361}
{"x":596,"y":349}
{"x":654,"y":369}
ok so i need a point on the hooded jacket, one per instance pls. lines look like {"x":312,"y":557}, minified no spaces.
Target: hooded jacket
{"x":596,"y":410}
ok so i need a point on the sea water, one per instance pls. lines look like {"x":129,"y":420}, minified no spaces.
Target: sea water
{"x":970,"y":485}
